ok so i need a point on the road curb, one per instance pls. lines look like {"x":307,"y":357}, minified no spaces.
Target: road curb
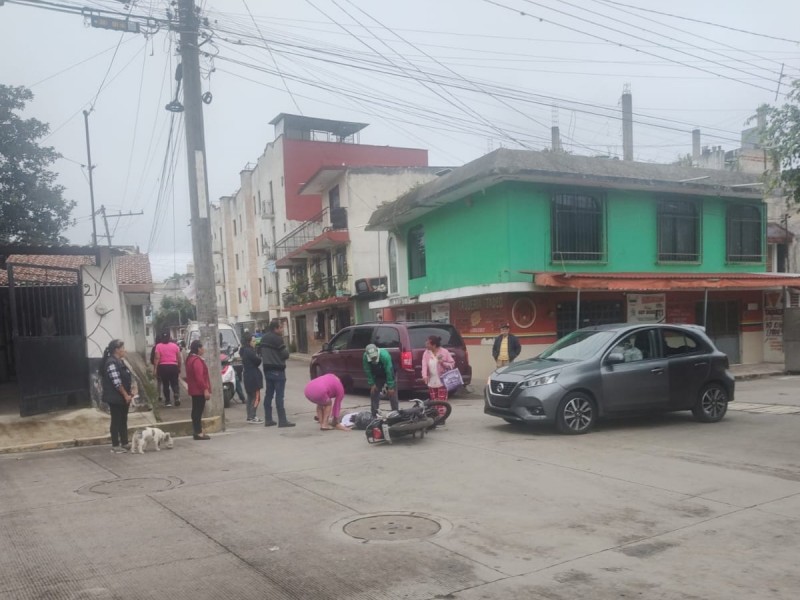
{"x":175,"y":428}
{"x":750,"y":376}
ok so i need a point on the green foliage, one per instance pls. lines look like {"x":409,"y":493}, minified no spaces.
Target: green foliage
{"x":32,"y":207}
{"x":174,"y":311}
{"x":781,"y":137}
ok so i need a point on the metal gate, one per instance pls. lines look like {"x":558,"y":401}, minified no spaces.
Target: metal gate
{"x":722,"y":325}
{"x":48,"y":335}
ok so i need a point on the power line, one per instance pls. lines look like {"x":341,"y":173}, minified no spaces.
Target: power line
{"x":275,"y":62}
{"x":533,"y":3}
{"x":729,"y":28}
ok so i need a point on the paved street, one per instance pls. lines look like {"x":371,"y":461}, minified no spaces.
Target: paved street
{"x":654,"y":508}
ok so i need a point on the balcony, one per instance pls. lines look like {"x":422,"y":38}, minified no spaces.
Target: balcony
{"x":321,"y":290}
{"x":319,"y":234}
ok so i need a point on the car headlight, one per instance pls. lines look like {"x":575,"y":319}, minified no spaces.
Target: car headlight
{"x":537,"y":381}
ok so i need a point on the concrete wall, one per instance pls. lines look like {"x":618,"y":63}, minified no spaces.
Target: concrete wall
{"x":104,"y":311}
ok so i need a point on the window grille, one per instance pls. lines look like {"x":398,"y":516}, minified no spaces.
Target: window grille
{"x":416,"y":252}
{"x":745,"y":225}
{"x":578,"y":228}
{"x":678,"y":231}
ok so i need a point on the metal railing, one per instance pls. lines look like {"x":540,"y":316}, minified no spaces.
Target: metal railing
{"x":310,"y":230}
{"x":318,"y":288}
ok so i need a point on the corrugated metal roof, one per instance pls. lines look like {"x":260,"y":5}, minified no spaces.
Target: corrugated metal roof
{"x":555,"y":168}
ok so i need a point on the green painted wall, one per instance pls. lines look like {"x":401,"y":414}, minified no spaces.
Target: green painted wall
{"x":491,"y":236}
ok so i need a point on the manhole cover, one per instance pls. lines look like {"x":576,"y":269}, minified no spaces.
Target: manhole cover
{"x":389,"y":528}
{"x":132,"y":486}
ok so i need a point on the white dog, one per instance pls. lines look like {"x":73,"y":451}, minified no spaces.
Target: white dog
{"x":150,"y":435}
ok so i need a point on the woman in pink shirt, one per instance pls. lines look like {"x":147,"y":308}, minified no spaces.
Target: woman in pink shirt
{"x":168,"y":367}
{"x":435,"y":361}
{"x":327,"y":392}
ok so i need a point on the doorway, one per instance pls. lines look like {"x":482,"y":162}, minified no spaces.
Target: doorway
{"x":301,"y":334}
{"x":722,"y":325}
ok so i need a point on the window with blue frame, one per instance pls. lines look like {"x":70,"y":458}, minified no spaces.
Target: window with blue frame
{"x":416,"y":252}
{"x":678,"y":231}
{"x":578,"y":228}
{"x":745,"y":233}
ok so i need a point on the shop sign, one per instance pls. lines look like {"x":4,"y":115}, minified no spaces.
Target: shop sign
{"x":773,"y":326}
{"x":440,"y":312}
{"x":646,"y":308}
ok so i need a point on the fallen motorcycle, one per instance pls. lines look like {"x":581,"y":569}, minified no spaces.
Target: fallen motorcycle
{"x":387,"y":427}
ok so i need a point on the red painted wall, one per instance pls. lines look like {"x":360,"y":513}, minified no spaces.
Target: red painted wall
{"x":301,"y":159}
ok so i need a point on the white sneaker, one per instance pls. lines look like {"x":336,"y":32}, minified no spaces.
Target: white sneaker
{"x":118,"y":450}
{"x":255,"y":420}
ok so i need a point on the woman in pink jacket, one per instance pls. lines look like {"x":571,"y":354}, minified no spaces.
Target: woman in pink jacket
{"x":199,"y":384}
{"x":435,"y":362}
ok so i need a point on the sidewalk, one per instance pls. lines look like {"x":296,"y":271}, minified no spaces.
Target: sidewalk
{"x":757,"y":371}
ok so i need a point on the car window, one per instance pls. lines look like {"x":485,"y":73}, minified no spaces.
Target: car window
{"x":341,"y":341}
{"x":360,"y":338}
{"x":386,"y":337}
{"x":578,"y":345}
{"x":675,"y":343}
{"x":227,"y":338}
{"x":635,"y":347}
{"x":420,"y":334}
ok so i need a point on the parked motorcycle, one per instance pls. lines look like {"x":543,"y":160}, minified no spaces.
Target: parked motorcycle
{"x":228,"y":380}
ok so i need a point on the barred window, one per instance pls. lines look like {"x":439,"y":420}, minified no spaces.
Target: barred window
{"x":745,"y":225}
{"x":578,"y":228}
{"x":678,"y":231}
{"x":392,"y":265}
{"x":416,"y":252}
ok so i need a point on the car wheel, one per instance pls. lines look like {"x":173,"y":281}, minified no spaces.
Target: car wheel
{"x":576,"y":414}
{"x":712,"y":404}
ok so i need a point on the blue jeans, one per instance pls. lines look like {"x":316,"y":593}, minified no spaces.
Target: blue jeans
{"x":276,"y":386}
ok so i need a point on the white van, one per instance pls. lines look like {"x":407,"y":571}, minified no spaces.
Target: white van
{"x":228,"y":340}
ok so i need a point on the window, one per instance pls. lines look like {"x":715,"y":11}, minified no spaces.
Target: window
{"x":675,"y":343}
{"x":237,"y":261}
{"x":744,"y":233}
{"x":386,"y":337}
{"x":341,"y":341}
{"x":234,"y":227}
{"x":678,"y":231}
{"x":578,"y":228}
{"x":240,"y":294}
{"x":360,"y":338}
{"x":392,"y":253}
{"x":416,"y":252}
{"x":635,"y":347}
{"x":260,"y":286}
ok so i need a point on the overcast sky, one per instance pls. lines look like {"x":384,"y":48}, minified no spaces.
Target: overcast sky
{"x":458,"y":77}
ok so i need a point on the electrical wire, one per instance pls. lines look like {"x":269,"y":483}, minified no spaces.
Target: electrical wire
{"x":709,"y":23}
{"x":275,"y":62}
{"x":628,"y":46}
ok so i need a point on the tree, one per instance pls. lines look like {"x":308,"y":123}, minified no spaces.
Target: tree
{"x":32,"y":207}
{"x":781,"y":137}
{"x":174,"y":312}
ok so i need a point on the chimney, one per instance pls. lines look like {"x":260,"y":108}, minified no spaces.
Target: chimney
{"x":695,"y":146}
{"x":627,"y":123}
{"x":555,"y":136}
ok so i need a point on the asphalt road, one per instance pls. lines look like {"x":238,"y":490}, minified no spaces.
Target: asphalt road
{"x":655,"y":507}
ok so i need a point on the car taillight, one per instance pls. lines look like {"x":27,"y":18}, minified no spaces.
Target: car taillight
{"x":406,"y":362}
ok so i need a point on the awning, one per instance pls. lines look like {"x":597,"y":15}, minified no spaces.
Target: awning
{"x":650,"y":282}
{"x":778,"y":234}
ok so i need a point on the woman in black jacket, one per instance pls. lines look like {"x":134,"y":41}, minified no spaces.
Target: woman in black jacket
{"x":253,"y":379}
{"x":117,"y":393}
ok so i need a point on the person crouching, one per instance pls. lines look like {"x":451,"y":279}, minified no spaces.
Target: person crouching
{"x":327,"y":393}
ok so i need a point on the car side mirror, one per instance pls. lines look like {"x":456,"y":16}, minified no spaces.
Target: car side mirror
{"x":326,"y":347}
{"x":615,"y":358}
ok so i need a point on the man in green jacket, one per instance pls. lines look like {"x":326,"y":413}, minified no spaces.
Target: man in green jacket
{"x":377,"y":363}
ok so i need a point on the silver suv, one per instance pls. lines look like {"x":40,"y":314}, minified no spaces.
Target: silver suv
{"x":614,"y":369}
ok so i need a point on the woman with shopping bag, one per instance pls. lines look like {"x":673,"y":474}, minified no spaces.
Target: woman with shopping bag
{"x":435,"y":362}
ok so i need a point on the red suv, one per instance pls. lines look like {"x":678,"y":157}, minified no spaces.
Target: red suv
{"x":405,"y":341}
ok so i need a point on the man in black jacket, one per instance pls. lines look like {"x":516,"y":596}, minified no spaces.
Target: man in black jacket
{"x":506,"y":347}
{"x":273,"y":356}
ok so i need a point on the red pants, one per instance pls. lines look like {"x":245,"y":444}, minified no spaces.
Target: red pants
{"x":439,"y":393}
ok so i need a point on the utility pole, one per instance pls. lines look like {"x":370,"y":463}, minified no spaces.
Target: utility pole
{"x":91,"y":180}
{"x":198,"y":197}
{"x":102,"y":211}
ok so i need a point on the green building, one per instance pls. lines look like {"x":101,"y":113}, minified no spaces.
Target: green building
{"x":549,"y":242}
